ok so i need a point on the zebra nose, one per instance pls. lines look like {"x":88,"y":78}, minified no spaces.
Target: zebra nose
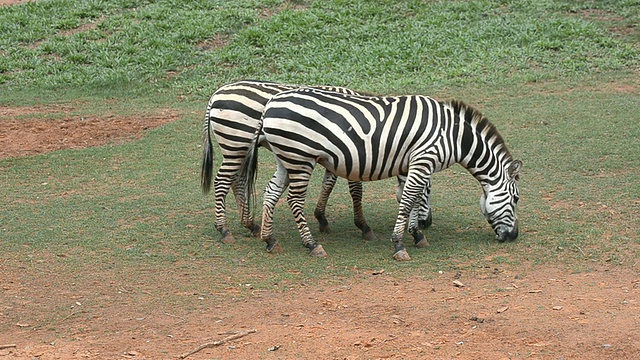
{"x":503,"y":234}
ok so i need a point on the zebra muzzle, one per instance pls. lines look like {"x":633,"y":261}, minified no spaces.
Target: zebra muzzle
{"x":504,"y":234}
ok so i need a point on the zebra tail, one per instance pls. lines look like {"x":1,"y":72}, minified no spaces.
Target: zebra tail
{"x":207,"y":155}
{"x":248,"y":170}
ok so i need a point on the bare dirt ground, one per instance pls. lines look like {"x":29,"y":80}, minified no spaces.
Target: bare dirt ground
{"x":12,"y":2}
{"x":537,"y":313}
{"x":501,"y":313}
{"x":24,"y":132}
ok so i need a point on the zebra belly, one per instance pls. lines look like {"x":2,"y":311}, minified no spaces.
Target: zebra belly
{"x":341,"y":170}
{"x":292,"y":142}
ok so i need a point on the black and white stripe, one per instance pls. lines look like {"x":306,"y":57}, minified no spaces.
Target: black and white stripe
{"x":363,"y":138}
{"x":233,"y":116}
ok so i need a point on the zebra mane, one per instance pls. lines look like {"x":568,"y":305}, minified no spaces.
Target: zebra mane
{"x":479,"y":123}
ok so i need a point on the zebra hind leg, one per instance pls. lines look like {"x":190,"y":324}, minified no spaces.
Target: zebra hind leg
{"x":296,"y":200}
{"x":222,"y":183}
{"x":272,"y":194}
{"x":328,"y":182}
{"x":355,"y":189}
{"x":243,"y":205}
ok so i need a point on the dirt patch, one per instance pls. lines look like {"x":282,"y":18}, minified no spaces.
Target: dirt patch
{"x":293,"y":6}
{"x":12,"y":2}
{"x":218,"y":42}
{"x":81,"y":28}
{"x":23,"y":131}
{"x":540,"y":313}
{"x":614,"y":22}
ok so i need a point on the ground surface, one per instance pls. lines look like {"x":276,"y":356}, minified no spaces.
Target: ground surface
{"x":500,"y":313}
{"x":24,"y":132}
{"x":12,"y":2}
{"x":536,"y":313}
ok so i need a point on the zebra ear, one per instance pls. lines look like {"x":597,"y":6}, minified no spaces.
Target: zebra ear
{"x":514,"y":169}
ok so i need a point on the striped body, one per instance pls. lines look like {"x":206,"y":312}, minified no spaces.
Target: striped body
{"x":371,"y":138}
{"x":233,"y":116}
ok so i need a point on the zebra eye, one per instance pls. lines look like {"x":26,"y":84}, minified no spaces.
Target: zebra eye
{"x":516,"y":198}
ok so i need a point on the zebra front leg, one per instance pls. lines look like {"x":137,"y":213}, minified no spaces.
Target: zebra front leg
{"x":419,"y":239}
{"x":272,"y":193}
{"x":399,"y":251}
{"x":415,"y":183}
{"x":328,"y":182}
{"x":423,"y":210}
{"x":296,"y":200}
{"x":355,"y":189}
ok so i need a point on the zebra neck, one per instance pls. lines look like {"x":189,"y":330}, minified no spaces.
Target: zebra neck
{"x":482,"y":153}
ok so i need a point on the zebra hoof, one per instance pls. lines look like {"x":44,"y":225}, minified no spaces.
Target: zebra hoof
{"x":325,"y":228}
{"x":318,"y":251}
{"x":422,"y":243}
{"x":423,"y":224}
{"x":419,"y":240}
{"x":369,"y":235}
{"x":255,"y":231}
{"x":322,"y":222}
{"x":227,"y":237}
{"x":401,"y":255}
{"x":275,"y":248}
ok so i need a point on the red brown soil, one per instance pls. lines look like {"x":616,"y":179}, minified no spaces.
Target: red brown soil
{"x":539,"y":313}
{"x":23,"y":131}
{"x":508,"y":313}
{"x":12,"y":2}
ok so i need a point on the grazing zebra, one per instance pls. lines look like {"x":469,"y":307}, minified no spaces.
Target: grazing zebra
{"x":233,"y":115}
{"x":365,"y":138}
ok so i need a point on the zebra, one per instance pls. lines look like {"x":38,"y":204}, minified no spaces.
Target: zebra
{"x":364,"y":138}
{"x":233,"y":115}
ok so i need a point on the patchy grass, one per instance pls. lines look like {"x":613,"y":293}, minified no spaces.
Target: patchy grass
{"x":140,"y":203}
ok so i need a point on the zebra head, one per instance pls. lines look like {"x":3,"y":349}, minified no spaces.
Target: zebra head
{"x":498,"y":203}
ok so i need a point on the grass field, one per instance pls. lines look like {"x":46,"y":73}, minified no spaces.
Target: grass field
{"x":541,"y":79}
{"x":560,"y":79}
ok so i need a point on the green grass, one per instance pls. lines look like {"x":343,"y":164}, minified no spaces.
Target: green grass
{"x":384,"y":46}
{"x":557,"y":78}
